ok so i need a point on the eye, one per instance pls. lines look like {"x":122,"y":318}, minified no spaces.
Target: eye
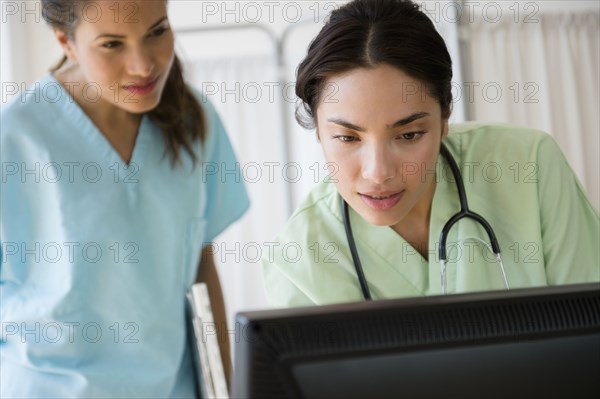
{"x":111,"y":45}
{"x":412,"y":136}
{"x":159,"y":32}
{"x":345,"y":139}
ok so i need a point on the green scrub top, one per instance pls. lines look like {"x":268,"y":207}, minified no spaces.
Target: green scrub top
{"x":516,"y":178}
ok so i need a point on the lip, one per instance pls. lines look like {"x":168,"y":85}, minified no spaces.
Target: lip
{"x":391,"y":198}
{"x":144,"y":88}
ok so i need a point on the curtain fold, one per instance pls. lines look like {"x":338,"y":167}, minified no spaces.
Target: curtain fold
{"x":547,"y":73}
{"x":246,"y":93}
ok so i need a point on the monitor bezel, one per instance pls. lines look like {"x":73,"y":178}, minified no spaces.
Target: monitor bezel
{"x":255,"y":323}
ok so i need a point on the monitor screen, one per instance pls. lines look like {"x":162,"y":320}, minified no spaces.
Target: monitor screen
{"x":535,"y":343}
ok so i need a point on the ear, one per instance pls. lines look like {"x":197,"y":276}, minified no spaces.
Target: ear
{"x":66,"y":44}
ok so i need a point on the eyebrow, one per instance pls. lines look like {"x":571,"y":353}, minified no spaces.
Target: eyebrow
{"x":122,"y":36}
{"x":401,"y":122}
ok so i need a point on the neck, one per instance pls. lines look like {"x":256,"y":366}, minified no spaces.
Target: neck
{"x":420,"y":214}
{"x":104,"y":114}
{"x":117,"y":125}
{"x":414,"y":227}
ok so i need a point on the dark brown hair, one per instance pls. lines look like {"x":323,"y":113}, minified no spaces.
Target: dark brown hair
{"x":178,"y":114}
{"x":368,"y":33}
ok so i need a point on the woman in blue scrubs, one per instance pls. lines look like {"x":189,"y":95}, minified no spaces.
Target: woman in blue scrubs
{"x":376,"y":85}
{"x":105,"y":209}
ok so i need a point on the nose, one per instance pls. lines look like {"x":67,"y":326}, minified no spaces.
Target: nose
{"x":378,"y":164}
{"x":140,"y":63}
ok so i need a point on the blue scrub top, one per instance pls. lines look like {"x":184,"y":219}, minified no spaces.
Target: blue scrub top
{"x":97,"y":255}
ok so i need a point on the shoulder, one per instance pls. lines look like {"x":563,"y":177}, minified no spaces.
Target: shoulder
{"x":316,"y":216}
{"x":498,"y":141}
{"x":323,"y":199}
{"x":29,"y":115}
{"x":28,"y":105}
{"x":210,"y":112}
{"x":476,"y":133}
{"x":302,"y":259}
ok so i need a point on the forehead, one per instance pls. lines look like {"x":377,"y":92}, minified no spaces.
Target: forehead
{"x":119,"y":17}
{"x":380,"y":90}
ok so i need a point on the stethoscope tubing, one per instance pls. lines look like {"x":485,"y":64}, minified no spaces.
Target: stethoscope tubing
{"x":465,"y":212}
{"x":354,"y":252}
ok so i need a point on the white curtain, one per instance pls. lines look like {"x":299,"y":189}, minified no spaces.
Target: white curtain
{"x":246,"y":93}
{"x":304,"y":148}
{"x":6,"y":67}
{"x":448,"y":29}
{"x":543,"y":74}
{"x":27,"y":46}
{"x":256,"y":101}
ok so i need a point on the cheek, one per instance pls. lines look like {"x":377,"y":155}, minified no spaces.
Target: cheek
{"x":339,"y":157}
{"x":166,"y":50}
{"x":423,"y":168}
{"x":342,"y":168}
{"x":99,"y":67}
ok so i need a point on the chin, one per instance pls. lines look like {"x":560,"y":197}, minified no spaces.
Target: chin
{"x":143,"y":106}
{"x":381,"y":219}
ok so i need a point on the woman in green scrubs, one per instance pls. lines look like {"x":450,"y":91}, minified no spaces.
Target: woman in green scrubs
{"x":376,"y":85}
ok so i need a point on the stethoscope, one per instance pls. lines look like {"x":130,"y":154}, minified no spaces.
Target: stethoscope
{"x":465,"y":212}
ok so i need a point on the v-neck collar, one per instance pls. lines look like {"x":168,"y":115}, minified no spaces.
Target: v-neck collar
{"x":87,"y":128}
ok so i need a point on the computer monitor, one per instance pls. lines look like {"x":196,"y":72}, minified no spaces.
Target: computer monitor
{"x":524,"y":343}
